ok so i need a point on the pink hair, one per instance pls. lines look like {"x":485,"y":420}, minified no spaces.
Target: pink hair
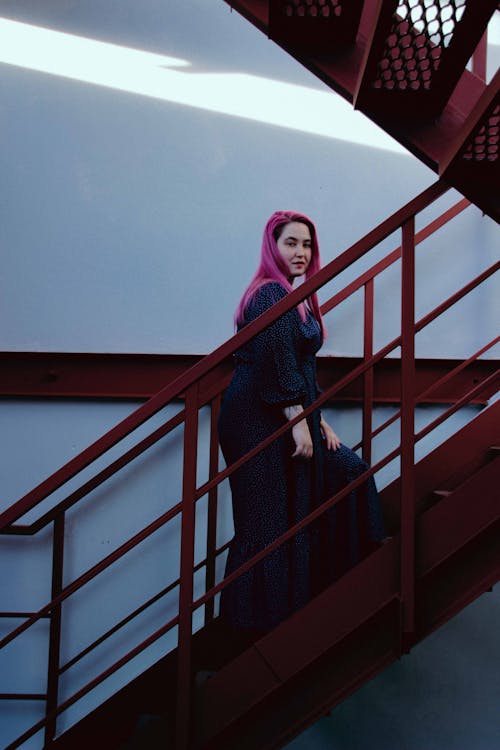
{"x":272,"y":266}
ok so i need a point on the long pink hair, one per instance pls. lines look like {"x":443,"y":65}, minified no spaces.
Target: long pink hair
{"x":272,"y":266}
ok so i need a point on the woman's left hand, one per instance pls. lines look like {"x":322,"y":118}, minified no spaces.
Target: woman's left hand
{"x":332,"y":441}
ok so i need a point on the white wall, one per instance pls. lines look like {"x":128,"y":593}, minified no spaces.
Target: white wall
{"x":130,"y":223}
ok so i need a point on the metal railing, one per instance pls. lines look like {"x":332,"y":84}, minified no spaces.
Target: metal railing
{"x":203,"y":385}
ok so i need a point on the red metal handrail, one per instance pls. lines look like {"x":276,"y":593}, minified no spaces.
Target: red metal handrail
{"x":189,"y":383}
{"x":204,"y":366}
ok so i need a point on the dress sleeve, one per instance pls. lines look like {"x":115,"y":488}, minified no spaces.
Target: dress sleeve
{"x":281,"y":381}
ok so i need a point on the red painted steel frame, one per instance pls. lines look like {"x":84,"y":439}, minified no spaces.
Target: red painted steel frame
{"x":55,"y":626}
{"x":188,"y":517}
{"x":408,"y":431}
{"x":369,"y":375}
{"x":191,"y":384}
{"x":137,"y":377}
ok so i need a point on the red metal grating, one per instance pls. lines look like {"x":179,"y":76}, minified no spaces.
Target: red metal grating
{"x":421,"y":30}
{"x":483,"y":144}
{"x":312,"y":8}
{"x":314,"y":25}
{"x":416,"y":55}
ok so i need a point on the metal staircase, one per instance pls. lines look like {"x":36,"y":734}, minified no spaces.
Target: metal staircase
{"x":266,"y":691}
{"x":310,"y":662}
{"x":403,"y":64}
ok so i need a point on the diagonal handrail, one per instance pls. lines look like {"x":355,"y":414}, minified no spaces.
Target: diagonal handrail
{"x":204,"y":366}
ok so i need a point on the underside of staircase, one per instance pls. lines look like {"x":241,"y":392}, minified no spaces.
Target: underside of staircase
{"x":260,"y":694}
{"x":403,"y":64}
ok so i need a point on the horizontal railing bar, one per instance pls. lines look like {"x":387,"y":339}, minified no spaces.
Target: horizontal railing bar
{"x":458,"y":404}
{"x":93,"y":683}
{"x":23,"y":697}
{"x":17,"y":530}
{"x":95,"y":570}
{"x":434,"y":386}
{"x":395,"y":255}
{"x":15,"y":615}
{"x":313,"y":516}
{"x":204,"y":366}
{"x":134,"y":614}
{"x":103,"y":475}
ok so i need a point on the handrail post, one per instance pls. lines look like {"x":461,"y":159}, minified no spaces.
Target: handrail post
{"x":408,"y":432}
{"x":183,"y":714}
{"x":55,"y":627}
{"x":368,"y":375}
{"x":212,"y":506}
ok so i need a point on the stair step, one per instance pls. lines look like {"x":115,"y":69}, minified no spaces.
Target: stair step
{"x":492,"y":453}
{"x":464,"y":514}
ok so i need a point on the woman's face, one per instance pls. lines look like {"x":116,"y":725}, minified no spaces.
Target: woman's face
{"x":295,"y":247}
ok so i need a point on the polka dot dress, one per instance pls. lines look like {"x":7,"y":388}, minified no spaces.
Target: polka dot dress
{"x":272,"y":491}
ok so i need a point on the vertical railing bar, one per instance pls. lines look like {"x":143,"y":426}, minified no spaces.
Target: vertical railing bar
{"x":55,"y":627}
{"x":368,"y":375}
{"x":183,"y":714}
{"x":408,"y":431}
{"x":212,"y":507}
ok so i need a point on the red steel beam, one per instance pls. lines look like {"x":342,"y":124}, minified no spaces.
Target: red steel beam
{"x":132,"y":376}
{"x":408,"y":393}
{"x":55,"y":626}
{"x":213,"y":463}
{"x":368,"y":377}
{"x":188,"y":520}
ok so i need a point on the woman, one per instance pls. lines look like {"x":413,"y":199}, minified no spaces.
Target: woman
{"x":274,"y":380}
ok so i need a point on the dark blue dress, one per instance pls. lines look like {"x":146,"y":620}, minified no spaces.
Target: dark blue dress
{"x":273,"y":491}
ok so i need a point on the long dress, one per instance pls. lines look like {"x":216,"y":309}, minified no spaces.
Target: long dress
{"x":273,"y":491}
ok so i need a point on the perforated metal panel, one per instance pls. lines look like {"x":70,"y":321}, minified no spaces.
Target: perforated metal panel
{"x":314,"y":26}
{"x":418,"y":52}
{"x":483,"y":144}
{"x":313,"y":8}
{"x":415,"y":45}
{"x":475,"y":167}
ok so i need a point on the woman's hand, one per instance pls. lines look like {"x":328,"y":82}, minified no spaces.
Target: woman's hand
{"x":303,"y":441}
{"x":300,"y":432}
{"x":332,"y":441}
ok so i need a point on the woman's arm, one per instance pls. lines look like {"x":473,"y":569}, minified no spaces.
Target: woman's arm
{"x":281,"y":381}
{"x":332,"y":441}
{"x":300,"y":432}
